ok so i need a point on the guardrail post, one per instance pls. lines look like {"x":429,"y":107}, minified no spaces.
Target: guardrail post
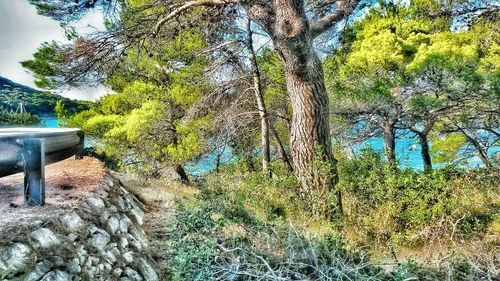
{"x":81,"y":147}
{"x":34,"y":171}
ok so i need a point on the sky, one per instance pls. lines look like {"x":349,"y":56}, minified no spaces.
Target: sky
{"x":22,"y":31}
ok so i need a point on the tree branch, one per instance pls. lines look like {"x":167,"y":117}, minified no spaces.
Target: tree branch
{"x":344,"y":8}
{"x":188,"y":5}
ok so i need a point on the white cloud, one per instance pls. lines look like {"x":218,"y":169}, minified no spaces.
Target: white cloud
{"x":22,"y":31}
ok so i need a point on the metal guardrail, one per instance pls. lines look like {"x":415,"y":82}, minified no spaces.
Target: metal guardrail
{"x":30,"y":149}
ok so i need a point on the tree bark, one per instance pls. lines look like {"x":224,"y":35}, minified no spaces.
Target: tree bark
{"x":310,"y":141}
{"x":389,"y":142}
{"x":182,"y":174}
{"x":281,"y":149}
{"x":259,"y":97}
{"x":426,"y":155}
{"x":482,"y":153}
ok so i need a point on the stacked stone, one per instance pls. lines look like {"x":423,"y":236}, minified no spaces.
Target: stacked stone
{"x":101,"y":240}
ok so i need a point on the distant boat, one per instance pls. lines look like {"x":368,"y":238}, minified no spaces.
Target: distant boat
{"x":413,"y":147}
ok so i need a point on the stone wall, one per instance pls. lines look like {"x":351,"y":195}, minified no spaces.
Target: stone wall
{"x":102,"y":239}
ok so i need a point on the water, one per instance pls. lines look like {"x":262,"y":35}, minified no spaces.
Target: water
{"x":407,"y":157}
{"x":49,"y":121}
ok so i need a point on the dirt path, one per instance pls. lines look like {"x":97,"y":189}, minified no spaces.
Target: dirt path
{"x":160,"y":198}
{"x":66,"y":184}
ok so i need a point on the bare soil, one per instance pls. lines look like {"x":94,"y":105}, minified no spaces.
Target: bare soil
{"x":67,"y":183}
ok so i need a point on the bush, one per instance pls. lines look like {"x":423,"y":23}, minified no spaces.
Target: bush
{"x":409,"y":207}
{"x":216,"y":238}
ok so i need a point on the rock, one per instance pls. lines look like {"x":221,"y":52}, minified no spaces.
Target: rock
{"x":147,"y":271}
{"x":136,"y":246}
{"x":99,"y":240}
{"x":119,"y":202}
{"x":137,"y":215}
{"x":132,"y":274}
{"x":58,"y":261}
{"x":108,"y":181}
{"x":45,"y":238}
{"x":101,"y":192}
{"x":123,"y":243}
{"x":109,"y":257}
{"x":72,"y":237}
{"x":139,"y":236}
{"x":73,"y":266}
{"x":115,"y":251}
{"x":128,"y":257}
{"x":40,"y":270}
{"x":117,"y":272}
{"x":15,"y":259}
{"x":113,"y":225}
{"x":57,"y":275}
{"x":125,"y":222}
{"x":103,"y":218}
{"x":72,"y":221}
{"x":93,"y":204}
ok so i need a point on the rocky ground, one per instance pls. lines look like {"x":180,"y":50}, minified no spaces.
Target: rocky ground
{"x":93,"y":227}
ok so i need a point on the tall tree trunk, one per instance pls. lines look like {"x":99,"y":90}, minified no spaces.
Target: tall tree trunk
{"x":281,"y":149}
{"x":426,"y":155}
{"x":182,"y":174}
{"x":259,"y":97}
{"x":310,"y":141}
{"x":389,"y":142}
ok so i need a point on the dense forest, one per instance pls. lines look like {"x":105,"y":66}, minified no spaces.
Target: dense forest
{"x":34,"y":101}
{"x":290,"y":89}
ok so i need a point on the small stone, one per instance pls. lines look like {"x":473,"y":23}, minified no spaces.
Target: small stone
{"x":113,"y":225}
{"x":45,"y":238}
{"x":73,"y":266}
{"x":128,"y":257}
{"x":103,"y":218}
{"x":147,"y":271}
{"x":108,"y":181}
{"x":72,"y":221}
{"x":125,"y":222}
{"x":93,"y":204}
{"x":14,"y":259}
{"x":117,"y":272}
{"x":113,"y":209}
{"x":109,"y":257}
{"x":139,"y":235}
{"x":136,"y":246}
{"x":58,"y":261}
{"x":123,"y":243}
{"x":101,"y":192}
{"x":40,"y":270}
{"x":137,"y":215}
{"x":57,"y":275}
{"x":115,"y":252}
{"x":108,"y":267}
{"x":72,"y":237}
{"x":99,"y":240}
{"x":132,"y":274}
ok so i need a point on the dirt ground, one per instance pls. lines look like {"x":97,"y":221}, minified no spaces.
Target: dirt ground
{"x":67,"y":183}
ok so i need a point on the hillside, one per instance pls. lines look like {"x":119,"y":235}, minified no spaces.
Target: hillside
{"x":35,"y":101}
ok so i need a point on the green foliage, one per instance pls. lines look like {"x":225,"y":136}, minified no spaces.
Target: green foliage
{"x":447,"y":148}
{"x":144,"y":126}
{"x":214,"y":233}
{"x":9,"y":119}
{"x":405,"y":206}
{"x":36,"y":102}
